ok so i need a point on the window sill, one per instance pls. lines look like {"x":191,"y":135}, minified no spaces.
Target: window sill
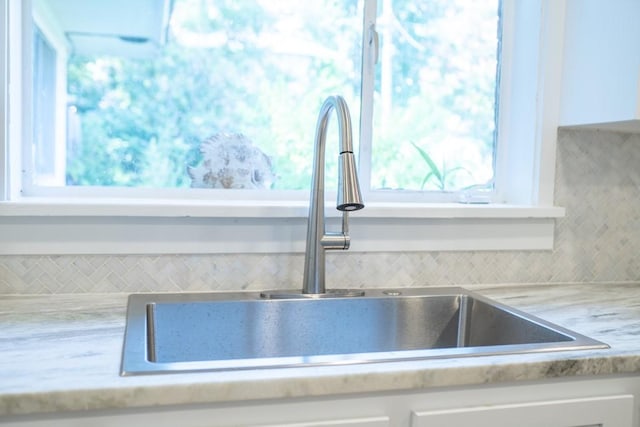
{"x":126,"y":226}
{"x":172,"y":208}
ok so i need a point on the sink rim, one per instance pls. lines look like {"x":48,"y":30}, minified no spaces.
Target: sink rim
{"x":136,"y":360}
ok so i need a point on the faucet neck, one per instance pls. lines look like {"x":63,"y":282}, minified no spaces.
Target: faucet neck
{"x":318,"y":240}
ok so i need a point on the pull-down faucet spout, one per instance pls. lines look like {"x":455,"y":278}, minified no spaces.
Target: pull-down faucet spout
{"x":349,"y":199}
{"x":349,"y":196}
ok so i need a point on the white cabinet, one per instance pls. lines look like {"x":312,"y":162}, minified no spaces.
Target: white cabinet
{"x":614,"y":411}
{"x":601,"y":64}
{"x":246,"y":417}
{"x":354,"y":422}
{"x":578,"y":403}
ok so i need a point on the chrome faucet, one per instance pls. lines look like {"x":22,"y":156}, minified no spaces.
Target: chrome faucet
{"x":349,"y":197}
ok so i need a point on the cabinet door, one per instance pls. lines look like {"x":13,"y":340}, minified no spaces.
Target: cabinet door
{"x":190,"y":419}
{"x":352,"y":422}
{"x":610,"y":411}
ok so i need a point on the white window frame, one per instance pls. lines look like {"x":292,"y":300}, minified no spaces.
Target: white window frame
{"x":220,"y":221}
{"x":55,"y":38}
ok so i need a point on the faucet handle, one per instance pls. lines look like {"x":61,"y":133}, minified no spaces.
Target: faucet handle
{"x":338,"y":240}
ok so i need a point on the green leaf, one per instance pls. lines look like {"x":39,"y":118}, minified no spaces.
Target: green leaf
{"x":432,"y":165}
{"x":426,"y":179}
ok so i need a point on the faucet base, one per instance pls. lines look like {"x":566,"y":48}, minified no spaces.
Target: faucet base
{"x":330,"y":293}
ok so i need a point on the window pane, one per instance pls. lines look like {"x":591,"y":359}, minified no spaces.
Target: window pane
{"x":435,"y":94}
{"x":44,"y":85}
{"x":211,"y":93}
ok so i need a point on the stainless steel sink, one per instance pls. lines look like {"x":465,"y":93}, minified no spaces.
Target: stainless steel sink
{"x":240,"y":330}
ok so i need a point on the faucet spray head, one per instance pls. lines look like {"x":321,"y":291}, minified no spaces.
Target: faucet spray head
{"x":349,"y":195}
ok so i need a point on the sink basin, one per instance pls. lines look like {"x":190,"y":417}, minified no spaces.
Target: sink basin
{"x":240,"y":330}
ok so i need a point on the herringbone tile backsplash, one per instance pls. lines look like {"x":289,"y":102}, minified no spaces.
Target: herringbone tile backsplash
{"x":597,"y":181}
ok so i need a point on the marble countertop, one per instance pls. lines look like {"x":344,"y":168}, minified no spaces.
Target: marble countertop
{"x":62,"y":353}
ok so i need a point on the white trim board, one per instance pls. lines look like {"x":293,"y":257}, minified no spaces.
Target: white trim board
{"x":29,"y":235}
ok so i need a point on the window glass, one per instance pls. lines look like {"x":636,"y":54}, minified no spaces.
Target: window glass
{"x":44,"y":86}
{"x":434,"y":115}
{"x":226,"y":96}
{"x":225,"y":93}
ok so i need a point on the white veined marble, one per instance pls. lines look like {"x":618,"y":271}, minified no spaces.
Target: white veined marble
{"x":62,"y":353}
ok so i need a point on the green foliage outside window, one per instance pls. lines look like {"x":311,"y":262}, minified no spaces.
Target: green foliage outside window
{"x":232,"y":67}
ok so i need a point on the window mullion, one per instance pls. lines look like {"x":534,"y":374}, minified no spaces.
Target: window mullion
{"x":4,"y":132}
{"x":13,"y":77}
{"x":26,"y":37}
{"x":369,"y":59}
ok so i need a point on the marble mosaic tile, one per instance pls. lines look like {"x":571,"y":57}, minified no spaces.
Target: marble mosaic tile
{"x":597,"y":181}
